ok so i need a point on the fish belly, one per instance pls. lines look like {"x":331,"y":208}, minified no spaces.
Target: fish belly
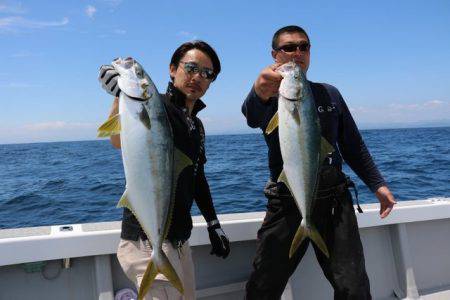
{"x":300,"y":148}
{"x":147,"y":158}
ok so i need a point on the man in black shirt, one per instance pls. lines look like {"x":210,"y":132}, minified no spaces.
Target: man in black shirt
{"x":333,"y":213}
{"x":194,"y":65}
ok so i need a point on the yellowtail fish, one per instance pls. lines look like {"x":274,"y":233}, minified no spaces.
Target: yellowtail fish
{"x":151,"y":163}
{"x":303,"y":149}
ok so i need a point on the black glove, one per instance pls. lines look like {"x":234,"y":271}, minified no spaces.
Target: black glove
{"x":108,"y":77}
{"x":219,"y":240}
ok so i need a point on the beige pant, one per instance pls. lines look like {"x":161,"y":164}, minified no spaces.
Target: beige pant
{"x":134,"y":257}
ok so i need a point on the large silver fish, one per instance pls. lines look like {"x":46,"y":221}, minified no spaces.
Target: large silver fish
{"x":303,"y":149}
{"x":150,"y":160}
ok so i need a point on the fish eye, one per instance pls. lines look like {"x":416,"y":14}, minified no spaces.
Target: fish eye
{"x":139,"y":72}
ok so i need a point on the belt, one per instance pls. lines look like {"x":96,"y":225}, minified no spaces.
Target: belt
{"x":339,"y":189}
{"x":278,"y":190}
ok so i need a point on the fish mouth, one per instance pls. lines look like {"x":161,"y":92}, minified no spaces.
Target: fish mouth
{"x":140,"y":99}
{"x":292,"y":99}
{"x":292,"y":96}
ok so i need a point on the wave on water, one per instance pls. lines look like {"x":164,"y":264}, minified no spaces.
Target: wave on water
{"x":72,"y":182}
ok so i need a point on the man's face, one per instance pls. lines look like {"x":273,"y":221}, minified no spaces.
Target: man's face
{"x":300,"y":55}
{"x":187,"y":77}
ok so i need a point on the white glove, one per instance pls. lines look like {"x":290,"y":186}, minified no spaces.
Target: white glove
{"x":108,"y":78}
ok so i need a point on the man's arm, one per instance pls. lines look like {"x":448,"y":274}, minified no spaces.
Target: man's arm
{"x":202,"y":195}
{"x":257,"y":106}
{"x":356,"y":154}
{"x":354,"y":151}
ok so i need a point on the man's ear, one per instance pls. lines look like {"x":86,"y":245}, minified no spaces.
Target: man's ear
{"x":172,"y":70}
{"x":274,"y":55}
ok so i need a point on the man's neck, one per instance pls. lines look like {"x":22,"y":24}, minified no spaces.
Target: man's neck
{"x":190,"y":104}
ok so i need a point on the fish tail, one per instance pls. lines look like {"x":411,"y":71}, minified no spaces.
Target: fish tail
{"x":304,"y":232}
{"x":159,"y":265}
{"x":147,"y":280}
{"x":300,"y":235}
{"x":318,"y":240}
{"x":166,"y":268}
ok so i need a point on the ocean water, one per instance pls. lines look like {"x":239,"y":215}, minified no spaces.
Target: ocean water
{"x":78,"y":182}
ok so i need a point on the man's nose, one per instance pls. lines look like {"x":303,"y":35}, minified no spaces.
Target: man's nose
{"x":197,"y":76}
{"x":298,"y":52}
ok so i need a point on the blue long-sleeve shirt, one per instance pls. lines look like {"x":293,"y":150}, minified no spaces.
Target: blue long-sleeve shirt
{"x":337,"y":126}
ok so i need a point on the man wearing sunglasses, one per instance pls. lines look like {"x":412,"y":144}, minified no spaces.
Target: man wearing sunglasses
{"x":194,"y":65}
{"x":334,"y":215}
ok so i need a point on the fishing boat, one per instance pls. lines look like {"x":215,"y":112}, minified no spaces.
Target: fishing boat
{"x":407,"y":257}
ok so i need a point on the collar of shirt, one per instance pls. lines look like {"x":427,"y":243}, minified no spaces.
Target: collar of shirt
{"x":178,"y":98}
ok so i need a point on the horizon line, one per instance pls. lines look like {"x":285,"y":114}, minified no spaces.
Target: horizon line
{"x":219,"y":134}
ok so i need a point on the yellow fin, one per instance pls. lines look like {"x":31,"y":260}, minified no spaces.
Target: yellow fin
{"x":123,"y":202}
{"x":325,"y":149}
{"x":312,"y":233}
{"x":300,"y":235}
{"x":110,"y":127}
{"x":180,"y":162}
{"x":167,"y":270}
{"x":273,"y":124}
{"x":282,"y":178}
{"x":317,"y":239}
{"x":164,"y":267}
{"x":147,"y":280}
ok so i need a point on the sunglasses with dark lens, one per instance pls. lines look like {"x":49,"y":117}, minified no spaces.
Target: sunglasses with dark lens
{"x":193,"y":68}
{"x":289,"y":48}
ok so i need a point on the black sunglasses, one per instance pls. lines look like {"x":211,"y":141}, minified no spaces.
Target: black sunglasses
{"x":193,"y":68}
{"x":289,"y":48}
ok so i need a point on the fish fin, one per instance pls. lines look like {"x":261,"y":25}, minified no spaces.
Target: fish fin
{"x":110,"y":127}
{"x":283,"y":178}
{"x":154,"y":267}
{"x":167,"y":270}
{"x":325,"y":149}
{"x":123,"y":202}
{"x":180,"y":162}
{"x":273,"y":124}
{"x":314,"y":235}
{"x":147,"y":279}
{"x":300,"y":235}
{"x":310,"y":232}
{"x":144,"y":117}
{"x":296,"y":115}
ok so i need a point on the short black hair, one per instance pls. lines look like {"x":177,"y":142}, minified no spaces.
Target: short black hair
{"x":200,"y":45}
{"x":289,"y":29}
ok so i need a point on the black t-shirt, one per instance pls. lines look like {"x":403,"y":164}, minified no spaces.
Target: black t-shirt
{"x":189,"y":138}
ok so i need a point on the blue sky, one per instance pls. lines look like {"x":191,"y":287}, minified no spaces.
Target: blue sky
{"x":389,"y":59}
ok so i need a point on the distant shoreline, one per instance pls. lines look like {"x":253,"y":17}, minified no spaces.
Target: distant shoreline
{"x":256,"y":131}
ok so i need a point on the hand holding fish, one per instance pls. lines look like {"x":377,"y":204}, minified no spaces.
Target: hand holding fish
{"x":387,"y":201}
{"x":268,"y":82}
{"x":108,"y":78}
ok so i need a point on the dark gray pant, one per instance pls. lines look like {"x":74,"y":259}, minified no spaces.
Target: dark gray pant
{"x":334,"y":217}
